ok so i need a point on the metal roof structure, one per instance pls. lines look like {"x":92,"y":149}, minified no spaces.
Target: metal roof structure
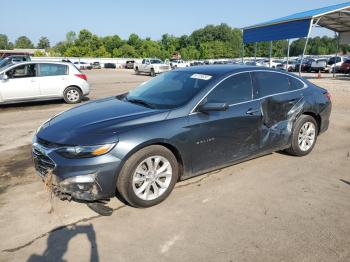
{"x":335,"y":18}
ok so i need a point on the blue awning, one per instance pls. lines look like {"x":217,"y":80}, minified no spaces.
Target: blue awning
{"x":336,"y":18}
{"x":294,"y":29}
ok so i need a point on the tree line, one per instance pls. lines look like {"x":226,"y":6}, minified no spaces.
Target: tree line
{"x":212,"y":41}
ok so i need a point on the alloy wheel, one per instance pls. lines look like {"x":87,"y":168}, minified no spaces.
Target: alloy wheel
{"x":307,"y":135}
{"x":73,"y":95}
{"x":152,"y":177}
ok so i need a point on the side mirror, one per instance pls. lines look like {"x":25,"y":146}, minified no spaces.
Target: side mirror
{"x":212,"y":107}
{"x":4,"y":77}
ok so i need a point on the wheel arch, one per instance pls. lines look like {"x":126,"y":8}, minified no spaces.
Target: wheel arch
{"x":161,"y":142}
{"x":64,"y":90}
{"x":317,"y":117}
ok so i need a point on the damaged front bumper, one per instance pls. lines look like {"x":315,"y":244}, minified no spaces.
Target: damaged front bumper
{"x":81,"y":179}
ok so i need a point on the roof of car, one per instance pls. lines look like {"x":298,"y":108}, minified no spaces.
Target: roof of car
{"x":219,"y":69}
{"x":42,"y":62}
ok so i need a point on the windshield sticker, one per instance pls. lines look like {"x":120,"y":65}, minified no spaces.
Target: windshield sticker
{"x":201,"y":77}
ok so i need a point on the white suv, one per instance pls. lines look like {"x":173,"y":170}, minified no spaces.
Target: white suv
{"x":29,"y":81}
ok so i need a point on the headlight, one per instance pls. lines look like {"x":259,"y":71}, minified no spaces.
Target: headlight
{"x":85,"y":151}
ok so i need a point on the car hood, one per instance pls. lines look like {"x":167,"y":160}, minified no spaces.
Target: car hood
{"x":97,"y":122}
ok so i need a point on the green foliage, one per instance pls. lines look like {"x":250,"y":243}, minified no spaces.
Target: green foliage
{"x":212,"y":41}
{"x":44,"y":43}
{"x":39,"y":53}
{"x":23,"y":42}
{"x":4,"y":42}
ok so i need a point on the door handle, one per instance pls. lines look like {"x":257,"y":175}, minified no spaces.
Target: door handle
{"x":252,"y":111}
{"x":292,"y":101}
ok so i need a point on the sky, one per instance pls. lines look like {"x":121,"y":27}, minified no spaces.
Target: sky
{"x":150,"y":18}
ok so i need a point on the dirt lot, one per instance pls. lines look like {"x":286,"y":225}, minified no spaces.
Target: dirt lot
{"x":274,"y":208}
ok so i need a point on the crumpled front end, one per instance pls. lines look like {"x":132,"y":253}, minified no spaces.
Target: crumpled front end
{"x":82,"y":179}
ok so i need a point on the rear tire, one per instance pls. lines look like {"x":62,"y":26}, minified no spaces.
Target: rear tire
{"x":72,"y":95}
{"x":304,"y":136}
{"x":153,"y":74}
{"x":137,"y":71}
{"x":148,"y":176}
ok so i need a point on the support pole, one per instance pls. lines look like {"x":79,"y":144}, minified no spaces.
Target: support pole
{"x":270,"y":61}
{"x":288,"y":49}
{"x":336,"y":55}
{"x":243,"y":53}
{"x":255,"y":47}
{"x":306,"y":42}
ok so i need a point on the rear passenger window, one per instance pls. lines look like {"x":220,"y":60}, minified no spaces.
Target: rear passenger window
{"x":53,"y":69}
{"x":269,"y":83}
{"x":235,"y":89}
{"x":295,"y":84}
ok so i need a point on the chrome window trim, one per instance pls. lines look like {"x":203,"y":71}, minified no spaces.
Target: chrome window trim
{"x":251,"y":71}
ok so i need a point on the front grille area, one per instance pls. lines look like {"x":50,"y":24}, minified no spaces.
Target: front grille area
{"x":43,"y":164}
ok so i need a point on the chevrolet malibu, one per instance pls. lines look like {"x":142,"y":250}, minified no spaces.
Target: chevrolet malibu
{"x":178,"y":125}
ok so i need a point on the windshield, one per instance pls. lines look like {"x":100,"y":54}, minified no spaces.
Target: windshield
{"x":169,"y":90}
{"x":3,"y":67}
{"x":156,"y":61}
{"x":5,"y":62}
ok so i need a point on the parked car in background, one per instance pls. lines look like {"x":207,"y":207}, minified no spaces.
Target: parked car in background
{"x":14,"y":59}
{"x":253,"y":63}
{"x":197,"y":63}
{"x":32,"y":81}
{"x":335,"y":62}
{"x":130,"y":64}
{"x":283,"y":66}
{"x":83,"y":65}
{"x":180,"y":124}
{"x":96,"y":65}
{"x":320,"y":65}
{"x":305,"y":66}
{"x":274,"y":63}
{"x":110,"y":65}
{"x":345,"y":67}
{"x":177,"y":63}
{"x":151,"y":66}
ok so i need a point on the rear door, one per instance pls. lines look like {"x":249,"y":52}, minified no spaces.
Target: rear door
{"x":22,"y":83}
{"x":219,"y":138}
{"x":281,"y":100}
{"x":53,"y":79}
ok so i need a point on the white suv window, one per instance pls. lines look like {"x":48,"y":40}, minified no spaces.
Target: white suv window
{"x":53,"y":69}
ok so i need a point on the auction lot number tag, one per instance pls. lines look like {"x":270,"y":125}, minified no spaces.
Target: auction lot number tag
{"x":201,"y":77}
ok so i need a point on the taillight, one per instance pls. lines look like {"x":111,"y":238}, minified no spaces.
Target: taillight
{"x":82,"y":76}
{"x":328,"y":95}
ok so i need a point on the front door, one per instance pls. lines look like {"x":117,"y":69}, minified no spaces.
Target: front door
{"x":22,"y":83}
{"x":219,"y":138}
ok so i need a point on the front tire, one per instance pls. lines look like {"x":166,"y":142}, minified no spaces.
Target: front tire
{"x":152,"y":74}
{"x":304,"y":136}
{"x":72,"y":95}
{"x":148,"y":176}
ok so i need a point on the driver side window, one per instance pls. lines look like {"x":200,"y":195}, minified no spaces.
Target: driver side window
{"x":233,"y":90}
{"x":22,"y":71}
